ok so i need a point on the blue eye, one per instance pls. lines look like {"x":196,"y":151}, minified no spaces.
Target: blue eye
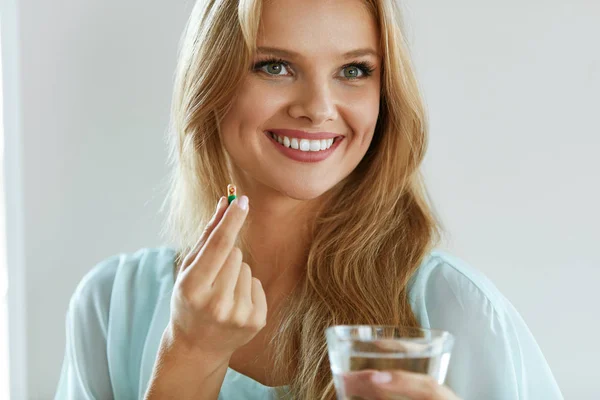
{"x":275,"y":66}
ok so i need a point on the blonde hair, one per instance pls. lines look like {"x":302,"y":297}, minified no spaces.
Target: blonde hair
{"x":369,"y":237}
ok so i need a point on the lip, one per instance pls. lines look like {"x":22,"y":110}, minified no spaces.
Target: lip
{"x":305,"y":156}
{"x":291,"y":133}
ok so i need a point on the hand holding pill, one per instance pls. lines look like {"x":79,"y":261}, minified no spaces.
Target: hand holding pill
{"x":217,"y":306}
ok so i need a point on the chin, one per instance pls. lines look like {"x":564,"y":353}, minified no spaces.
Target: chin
{"x":299,"y":191}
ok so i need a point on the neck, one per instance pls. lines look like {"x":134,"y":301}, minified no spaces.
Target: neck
{"x":277,"y":236}
{"x":277,"y":239}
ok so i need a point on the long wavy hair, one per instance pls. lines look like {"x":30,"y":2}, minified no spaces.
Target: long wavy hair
{"x":368,"y":238}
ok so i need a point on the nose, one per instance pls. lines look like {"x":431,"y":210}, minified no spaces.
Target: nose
{"x":315,"y":102}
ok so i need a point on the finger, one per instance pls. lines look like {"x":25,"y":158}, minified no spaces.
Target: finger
{"x":243,"y":289}
{"x":417,"y":386}
{"x":259,"y":300}
{"x":359,"y":383}
{"x":219,"y":211}
{"x":220,"y":242}
{"x":228,"y":276}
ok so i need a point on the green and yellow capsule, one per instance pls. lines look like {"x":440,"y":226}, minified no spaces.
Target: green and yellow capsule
{"x":231,"y":193}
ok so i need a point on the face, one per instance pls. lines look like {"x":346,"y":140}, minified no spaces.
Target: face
{"x":306,"y":88}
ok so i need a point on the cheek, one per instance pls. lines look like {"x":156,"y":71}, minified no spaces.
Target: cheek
{"x":253,"y":105}
{"x":361,"y":113}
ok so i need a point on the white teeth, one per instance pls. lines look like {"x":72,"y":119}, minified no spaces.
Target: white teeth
{"x":303,"y":144}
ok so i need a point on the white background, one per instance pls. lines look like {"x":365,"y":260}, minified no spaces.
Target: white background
{"x":513,"y":92}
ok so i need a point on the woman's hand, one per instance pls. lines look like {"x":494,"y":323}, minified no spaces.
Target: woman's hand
{"x":399,"y":385}
{"x":217,"y":306}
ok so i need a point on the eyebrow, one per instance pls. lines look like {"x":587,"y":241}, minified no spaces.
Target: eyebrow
{"x":293,"y":54}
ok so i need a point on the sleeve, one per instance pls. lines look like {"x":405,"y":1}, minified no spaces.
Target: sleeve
{"x":495,"y":356}
{"x":84,"y":374}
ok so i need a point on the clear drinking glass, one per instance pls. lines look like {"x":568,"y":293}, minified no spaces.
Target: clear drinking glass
{"x":386,"y":348}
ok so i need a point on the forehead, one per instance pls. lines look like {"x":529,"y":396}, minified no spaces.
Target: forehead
{"x":317,"y":27}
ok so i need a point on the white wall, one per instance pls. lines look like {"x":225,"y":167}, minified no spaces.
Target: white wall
{"x":513,"y":93}
{"x":95,"y":90}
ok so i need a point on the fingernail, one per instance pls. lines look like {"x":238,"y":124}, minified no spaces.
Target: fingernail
{"x":381,"y":377}
{"x":243,"y":202}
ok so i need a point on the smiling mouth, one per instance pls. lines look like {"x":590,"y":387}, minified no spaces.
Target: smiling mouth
{"x":305,"y":145}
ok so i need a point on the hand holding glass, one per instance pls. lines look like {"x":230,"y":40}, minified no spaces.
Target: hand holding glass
{"x":354,"y":348}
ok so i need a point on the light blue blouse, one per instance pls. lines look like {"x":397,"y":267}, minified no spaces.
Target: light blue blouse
{"x":120,"y":309}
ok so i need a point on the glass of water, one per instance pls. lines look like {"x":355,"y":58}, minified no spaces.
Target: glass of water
{"x":355,"y":348}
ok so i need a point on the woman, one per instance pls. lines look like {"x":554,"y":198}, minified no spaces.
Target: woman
{"x":311,"y":108}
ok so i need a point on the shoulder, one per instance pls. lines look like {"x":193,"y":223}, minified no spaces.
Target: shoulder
{"x":444,"y":281}
{"x":147,"y":269}
{"x":492,"y":341}
{"x":448,"y":293}
{"x":108,"y":320}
